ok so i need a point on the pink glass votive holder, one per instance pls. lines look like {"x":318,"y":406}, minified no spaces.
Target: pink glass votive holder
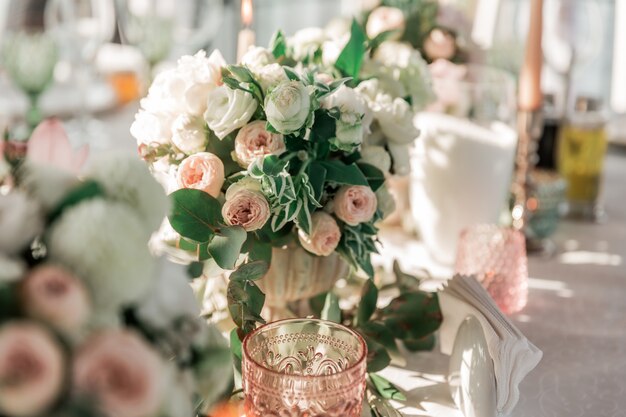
{"x":304,"y":368}
{"x":497,"y":257}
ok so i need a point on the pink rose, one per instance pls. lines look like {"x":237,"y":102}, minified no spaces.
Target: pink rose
{"x":31,"y":369}
{"x":202,"y":171}
{"x":324,"y":237}
{"x":121,"y":372}
{"x":246,"y":208}
{"x":52,"y":294}
{"x":440,"y":44}
{"x":355,"y":204}
{"x":384,"y":19}
{"x":254,"y":141}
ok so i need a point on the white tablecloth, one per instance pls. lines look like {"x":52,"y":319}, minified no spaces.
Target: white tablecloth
{"x":576,"y":314}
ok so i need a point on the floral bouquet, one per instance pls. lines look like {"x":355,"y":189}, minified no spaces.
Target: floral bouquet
{"x":87,"y":326}
{"x":290,"y":148}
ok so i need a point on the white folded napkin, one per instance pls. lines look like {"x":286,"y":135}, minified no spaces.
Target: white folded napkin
{"x":514,"y":356}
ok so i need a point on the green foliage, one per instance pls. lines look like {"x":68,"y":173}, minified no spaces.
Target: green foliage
{"x":239,"y":77}
{"x":195,"y":214}
{"x":226,"y":245}
{"x":374,"y":176}
{"x":386,"y":389}
{"x":194,"y":269}
{"x":250,"y":271}
{"x":278,"y":45}
{"x":340,"y":173}
{"x":331,"y":310}
{"x":369,"y":298}
{"x":86,"y":190}
{"x":351,"y":57}
{"x":245,"y":302}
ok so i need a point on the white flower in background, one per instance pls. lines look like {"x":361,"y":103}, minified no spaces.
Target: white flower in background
{"x":257,"y":57}
{"x":338,"y":28}
{"x":127,"y":180}
{"x":270,"y":76}
{"x":21,"y":220}
{"x":305,"y":42}
{"x":288,"y":107}
{"x":228,"y":110}
{"x":352,"y":107}
{"x":11,"y":270}
{"x":396,"y":120}
{"x":105,"y":244}
{"x":382,"y":83}
{"x":32,"y":369}
{"x":401,"y":158}
{"x":384,"y":19}
{"x":202,"y":75}
{"x":46,"y":183}
{"x":386,"y":202}
{"x":152,"y":128}
{"x":213,"y":373}
{"x":179,"y":396}
{"x":332,"y":49}
{"x":188,"y":133}
{"x":376,"y":156}
{"x":325,"y":234}
{"x":169,"y":299}
{"x":121,"y":372}
{"x":166,"y":94}
{"x":254,"y":141}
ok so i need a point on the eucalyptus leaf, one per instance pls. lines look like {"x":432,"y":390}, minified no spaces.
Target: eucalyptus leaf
{"x":367,"y":306}
{"x":331,"y":310}
{"x":377,"y":356}
{"x":386,"y":389}
{"x":250,"y":271}
{"x":341,"y":173}
{"x":374,"y":176}
{"x":195,"y":214}
{"x":225,"y":247}
{"x":236,"y":349}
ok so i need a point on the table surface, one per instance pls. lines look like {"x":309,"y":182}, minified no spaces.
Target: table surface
{"x":576,"y":313}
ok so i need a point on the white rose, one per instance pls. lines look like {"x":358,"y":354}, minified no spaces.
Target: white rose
{"x":152,"y":128}
{"x":384,"y":19}
{"x":202,"y":75}
{"x":332,"y":49}
{"x":257,"y":57}
{"x":352,"y":107}
{"x":401,"y":158}
{"x":254,"y":141}
{"x":305,"y":42}
{"x":166,"y":94}
{"x":270,"y":76}
{"x":396,"y":121}
{"x":376,"y":156}
{"x":246,"y":183}
{"x":188,"y":133}
{"x":228,"y":110}
{"x":288,"y":106}
{"x":21,"y":220}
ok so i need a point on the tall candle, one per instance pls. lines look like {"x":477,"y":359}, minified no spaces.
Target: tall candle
{"x":246,"y":35}
{"x":530,"y":97}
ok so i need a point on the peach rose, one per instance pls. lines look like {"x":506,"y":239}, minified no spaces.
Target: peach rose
{"x":440,"y":44}
{"x":52,"y":294}
{"x":355,"y":204}
{"x":384,"y":19}
{"x":324,"y":237}
{"x":121,"y":372}
{"x":246,"y":208}
{"x":253,"y":141}
{"x":202,"y":171}
{"x":31,"y":369}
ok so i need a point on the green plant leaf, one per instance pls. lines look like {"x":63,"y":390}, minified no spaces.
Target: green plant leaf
{"x":273,"y":165}
{"x":380,"y":334}
{"x":278,"y":44}
{"x":316,"y":303}
{"x":84,"y":191}
{"x":341,"y":173}
{"x":236,"y":349}
{"x":377,"y":356}
{"x":374,"y":176}
{"x":256,"y":298}
{"x":199,"y":249}
{"x":250,"y":271}
{"x":223,"y":149}
{"x":351,"y":57}
{"x":382,"y":37}
{"x":195,"y":214}
{"x":291,"y":74}
{"x":413,"y":315}
{"x":331,"y":310}
{"x":425,"y":343}
{"x":317,"y":177}
{"x":195,"y":269}
{"x":225,"y":247}
{"x":386,"y":389}
{"x":367,"y":306}
{"x":257,"y":250}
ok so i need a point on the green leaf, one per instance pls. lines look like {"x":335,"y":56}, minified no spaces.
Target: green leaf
{"x":424,"y":343}
{"x":316,"y":303}
{"x":331,"y":309}
{"x":225,"y":247}
{"x":380,"y":334}
{"x":317,"y":177}
{"x":367,"y":306}
{"x":273,"y":165}
{"x":413,"y":315}
{"x":257,"y":250}
{"x":278,"y":44}
{"x":85,"y":191}
{"x":382,"y":37}
{"x":195,"y":269}
{"x":256,"y":298}
{"x":351,"y":57}
{"x":303,"y":219}
{"x":223,"y":149}
{"x":386,"y":389}
{"x":377,"y":356}
{"x":199,"y":249}
{"x":236,"y":349}
{"x":374,"y":176}
{"x":195,"y":214}
{"x":250,"y":271}
{"x":341,"y":173}
{"x":291,"y":74}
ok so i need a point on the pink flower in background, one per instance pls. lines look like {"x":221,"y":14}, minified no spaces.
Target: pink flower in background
{"x":355,"y":204}
{"x":246,"y":208}
{"x":440,"y":44}
{"x":447,"y":84}
{"x":202,"y":171}
{"x":383,"y":19}
{"x":31,"y":369}
{"x":253,"y":141}
{"x":324,"y":237}
{"x":49,"y":145}
{"x":122,"y":372}
{"x":54,"y":295}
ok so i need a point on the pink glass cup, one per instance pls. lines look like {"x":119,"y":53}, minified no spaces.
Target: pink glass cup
{"x":304,"y":368}
{"x":497,"y":257}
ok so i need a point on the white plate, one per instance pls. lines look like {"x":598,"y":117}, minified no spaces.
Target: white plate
{"x":472,"y":380}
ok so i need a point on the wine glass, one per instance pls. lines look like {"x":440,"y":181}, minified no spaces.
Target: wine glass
{"x":29,"y":53}
{"x":163,"y":28}
{"x":82,"y":26}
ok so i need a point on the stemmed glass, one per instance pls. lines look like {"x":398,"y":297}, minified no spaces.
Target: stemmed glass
{"x":29,"y":54}
{"x":161,"y":28}
{"x":82,"y":26}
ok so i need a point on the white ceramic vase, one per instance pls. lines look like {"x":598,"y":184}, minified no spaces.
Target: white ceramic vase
{"x":295,"y":274}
